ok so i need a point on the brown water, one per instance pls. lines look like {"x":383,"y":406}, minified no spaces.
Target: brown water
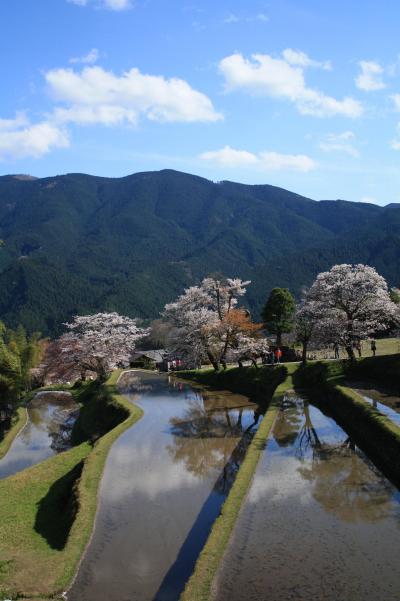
{"x":320,"y":521}
{"x":384,"y":400}
{"x":164,"y":482}
{"x":36,"y":441}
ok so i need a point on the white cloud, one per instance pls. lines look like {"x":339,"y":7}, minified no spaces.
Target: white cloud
{"x":20,"y":139}
{"x":98,"y":96}
{"x":231,"y":19}
{"x":229,"y":157}
{"x":265,"y":161}
{"x":278,"y":78}
{"x":370,"y":78}
{"x":110,"y":4}
{"x":90,"y":115}
{"x":88,"y":59}
{"x":301,"y":59}
{"x":340,"y":143}
{"x":20,"y":120}
{"x":117,"y":4}
{"x":369,"y":199}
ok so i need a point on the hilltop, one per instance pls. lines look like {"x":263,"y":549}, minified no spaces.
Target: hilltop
{"x":80,"y":243}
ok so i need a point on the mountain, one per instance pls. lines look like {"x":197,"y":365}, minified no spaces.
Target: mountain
{"x":79,"y":243}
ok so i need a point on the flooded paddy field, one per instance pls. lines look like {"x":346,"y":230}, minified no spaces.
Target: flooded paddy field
{"x":51,"y":415}
{"x":320,"y":520}
{"x":164,"y":483}
{"x":385,"y":400}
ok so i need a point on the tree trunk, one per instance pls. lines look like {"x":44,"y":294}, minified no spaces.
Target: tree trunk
{"x":278,"y":338}
{"x":213,"y":361}
{"x":304,"y":352}
{"x":350,"y":352}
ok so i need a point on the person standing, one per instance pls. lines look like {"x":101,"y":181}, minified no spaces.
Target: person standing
{"x":336,"y":349}
{"x":373,"y":347}
{"x":278,"y":355}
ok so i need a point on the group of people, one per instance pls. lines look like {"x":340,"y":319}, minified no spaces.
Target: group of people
{"x":357,"y":346}
{"x":272,"y":356}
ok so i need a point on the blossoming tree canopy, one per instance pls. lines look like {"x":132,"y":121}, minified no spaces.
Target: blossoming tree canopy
{"x":206,"y":321}
{"x":102,"y":341}
{"x":354,"y":302}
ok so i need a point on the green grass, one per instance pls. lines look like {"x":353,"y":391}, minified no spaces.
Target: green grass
{"x":199,"y":585}
{"x":384,"y":346}
{"x":18,"y":421}
{"x":47,"y":513}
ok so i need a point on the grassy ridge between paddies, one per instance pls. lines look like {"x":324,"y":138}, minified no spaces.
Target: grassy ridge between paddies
{"x":199,"y":585}
{"x":374,"y":432}
{"x":18,"y":421}
{"x":47,"y":512}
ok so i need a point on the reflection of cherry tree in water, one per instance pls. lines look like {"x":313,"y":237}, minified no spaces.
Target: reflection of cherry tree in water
{"x":344,"y":481}
{"x":217,"y":432}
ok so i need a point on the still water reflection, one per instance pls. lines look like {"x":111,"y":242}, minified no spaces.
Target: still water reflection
{"x":321,"y":522}
{"x":163,"y":486}
{"x":48,"y":412}
{"x":384,"y":400}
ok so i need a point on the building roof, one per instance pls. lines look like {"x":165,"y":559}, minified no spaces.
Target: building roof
{"x":157,"y":355}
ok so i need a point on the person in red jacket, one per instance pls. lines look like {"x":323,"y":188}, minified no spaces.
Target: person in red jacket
{"x":278,"y":355}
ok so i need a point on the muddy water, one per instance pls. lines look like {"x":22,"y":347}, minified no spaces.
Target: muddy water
{"x":385,"y":400}
{"x":36,"y":441}
{"x":320,"y":521}
{"x":163,"y":485}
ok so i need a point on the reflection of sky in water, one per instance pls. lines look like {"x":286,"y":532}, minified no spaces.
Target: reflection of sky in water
{"x":319,"y":465}
{"x":383,"y":402}
{"x":321,"y":522}
{"x":33,"y":444}
{"x":162,"y":480}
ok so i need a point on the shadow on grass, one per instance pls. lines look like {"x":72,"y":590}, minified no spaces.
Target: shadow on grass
{"x":57,"y":510}
{"x":5,"y":426}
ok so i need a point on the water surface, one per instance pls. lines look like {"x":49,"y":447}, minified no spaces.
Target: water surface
{"x":386,"y":401}
{"x":163,"y":485}
{"x":320,"y":522}
{"x":36,"y":441}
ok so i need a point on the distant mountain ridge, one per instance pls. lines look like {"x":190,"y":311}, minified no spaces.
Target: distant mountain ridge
{"x":77,"y":243}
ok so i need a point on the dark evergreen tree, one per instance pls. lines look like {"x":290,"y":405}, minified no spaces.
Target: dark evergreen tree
{"x":278,"y":313}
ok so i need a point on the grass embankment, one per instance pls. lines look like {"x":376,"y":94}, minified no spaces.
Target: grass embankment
{"x":384,"y":346}
{"x":375,"y":433}
{"x":47,"y":511}
{"x":257,"y":382}
{"x":17,"y":422}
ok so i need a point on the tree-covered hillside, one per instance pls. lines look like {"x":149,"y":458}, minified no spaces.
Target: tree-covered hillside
{"x":77,"y":243}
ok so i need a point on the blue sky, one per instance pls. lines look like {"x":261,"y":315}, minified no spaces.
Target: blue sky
{"x":302,"y":94}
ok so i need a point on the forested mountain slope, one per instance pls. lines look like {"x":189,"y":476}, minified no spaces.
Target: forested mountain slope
{"x":78,"y":243}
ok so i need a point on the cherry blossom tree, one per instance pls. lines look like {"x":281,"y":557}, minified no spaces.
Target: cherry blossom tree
{"x":100,"y":342}
{"x":353,"y":302}
{"x":249,"y":348}
{"x":308,"y":320}
{"x":206,"y":322}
